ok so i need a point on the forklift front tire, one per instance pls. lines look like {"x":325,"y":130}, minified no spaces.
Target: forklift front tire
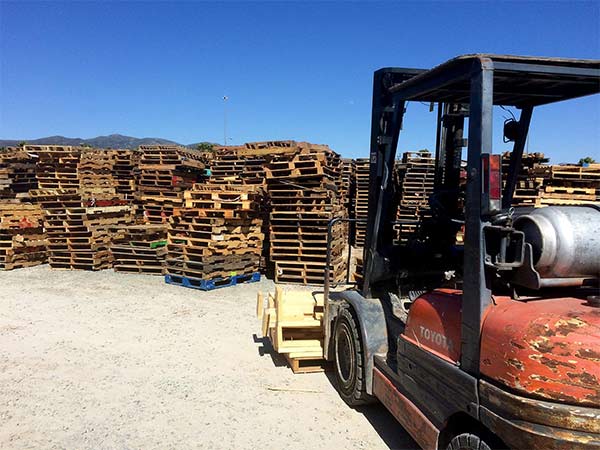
{"x":467,"y":441}
{"x":349,"y":360}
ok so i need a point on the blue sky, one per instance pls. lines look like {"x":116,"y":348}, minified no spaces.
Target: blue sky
{"x":291,"y":70}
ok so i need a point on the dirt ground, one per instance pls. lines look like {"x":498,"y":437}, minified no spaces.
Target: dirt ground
{"x":102,"y":360}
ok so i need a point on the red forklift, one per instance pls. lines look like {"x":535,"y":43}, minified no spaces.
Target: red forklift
{"x":493,"y":342}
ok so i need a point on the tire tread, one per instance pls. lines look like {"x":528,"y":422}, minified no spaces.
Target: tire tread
{"x":359,"y":394}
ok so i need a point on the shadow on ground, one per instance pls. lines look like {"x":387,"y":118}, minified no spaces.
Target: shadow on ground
{"x":388,"y":428}
{"x":386,"y":425}
{"x":267,"y":349}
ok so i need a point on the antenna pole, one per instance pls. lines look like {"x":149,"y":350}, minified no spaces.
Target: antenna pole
{"x":225,"y":98}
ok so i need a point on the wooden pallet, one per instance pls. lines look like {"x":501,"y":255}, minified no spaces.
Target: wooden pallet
{"x":307,"y":363}
{"x":570,"y":190}
{"x":293,"y":321}
{"x":414,"y":180}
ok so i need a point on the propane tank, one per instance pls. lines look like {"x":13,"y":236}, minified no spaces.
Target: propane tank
{"x":565,"y":241}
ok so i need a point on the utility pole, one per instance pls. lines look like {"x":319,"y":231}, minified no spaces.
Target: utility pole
{"x":225,"y":98}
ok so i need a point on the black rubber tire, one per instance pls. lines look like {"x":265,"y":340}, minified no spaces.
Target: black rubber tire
{"x":349,"y":360}
{"x":468,"y":441}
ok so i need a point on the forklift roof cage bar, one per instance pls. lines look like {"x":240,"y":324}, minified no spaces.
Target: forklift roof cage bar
{"x":388,"y":112}
{"x":476,"y":294}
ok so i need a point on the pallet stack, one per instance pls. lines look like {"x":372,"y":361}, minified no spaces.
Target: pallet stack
{"x":347,"y":182}
{"x":56,"y":166}
{"x":529,"y":183}
{"x":568,"y":185}
{"x":17,"y":174}
{"x":164,"y":173}
{"x":361,"y":202}
{"x":346,"y":190}
{"x":235,"y":164}
{"x":79,"y":237}
{"x":139,"y":249}
{"x":96,"y":182}
{"x":303,"y":188}
{"x":540,"y":184}
{"x":23,"y":242}
{"x":245,"y":165}
{"x":293,"y":322}
{"x":58,"y":190}
{"x":124,"y":172}
{"x":215,"y":240}
{"x":415,"y":178}
{"x":56,"y":203}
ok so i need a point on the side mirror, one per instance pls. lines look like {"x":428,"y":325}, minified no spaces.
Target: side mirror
{"x":511,"y":130}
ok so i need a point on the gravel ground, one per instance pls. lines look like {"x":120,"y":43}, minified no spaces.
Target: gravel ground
{"x":102,"y":360}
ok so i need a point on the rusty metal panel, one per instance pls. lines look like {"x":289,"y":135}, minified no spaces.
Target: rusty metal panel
{"x":410,"y":417}
{"x":526,"y":435}
{"x":552,"y":414}
{"x":547,"y":348}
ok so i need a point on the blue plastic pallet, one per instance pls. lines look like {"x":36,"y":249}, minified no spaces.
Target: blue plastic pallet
{"x":209,"y":285}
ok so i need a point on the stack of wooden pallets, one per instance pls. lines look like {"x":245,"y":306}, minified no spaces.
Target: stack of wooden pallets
{"x":58,"y":191}
{"x":415,"y":180}
{"x":56,"y":166}
{"x":263,"y":149}
{"x":347,"y":191}
{"x":79,"y":237}
{"x":237,"y":165}
{"x":56,"y":204}
{"x":245,"y":165}
{"x":361,"y":201}
{"x":303,"y":189}
{"x":347,"y":182}
{"x":17,"y":174}
{"x":124,"y":172}
{"x":293,"y":322}
{"x":22,"y":239}
{"x":215,"y":240}
{"x":540,"y":184}
{"x":529,"y":184}
{"x":568,"y":185}
{"x":96,"y":182}
{"x":139,"y":248}
{"x":164,"y":173}
{"x":230,"y":167}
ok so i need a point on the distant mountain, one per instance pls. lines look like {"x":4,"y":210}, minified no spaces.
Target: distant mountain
{"x":111,"y":141}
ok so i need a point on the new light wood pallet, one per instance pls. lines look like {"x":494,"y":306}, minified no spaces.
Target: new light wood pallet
{"x":293,"y":322}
